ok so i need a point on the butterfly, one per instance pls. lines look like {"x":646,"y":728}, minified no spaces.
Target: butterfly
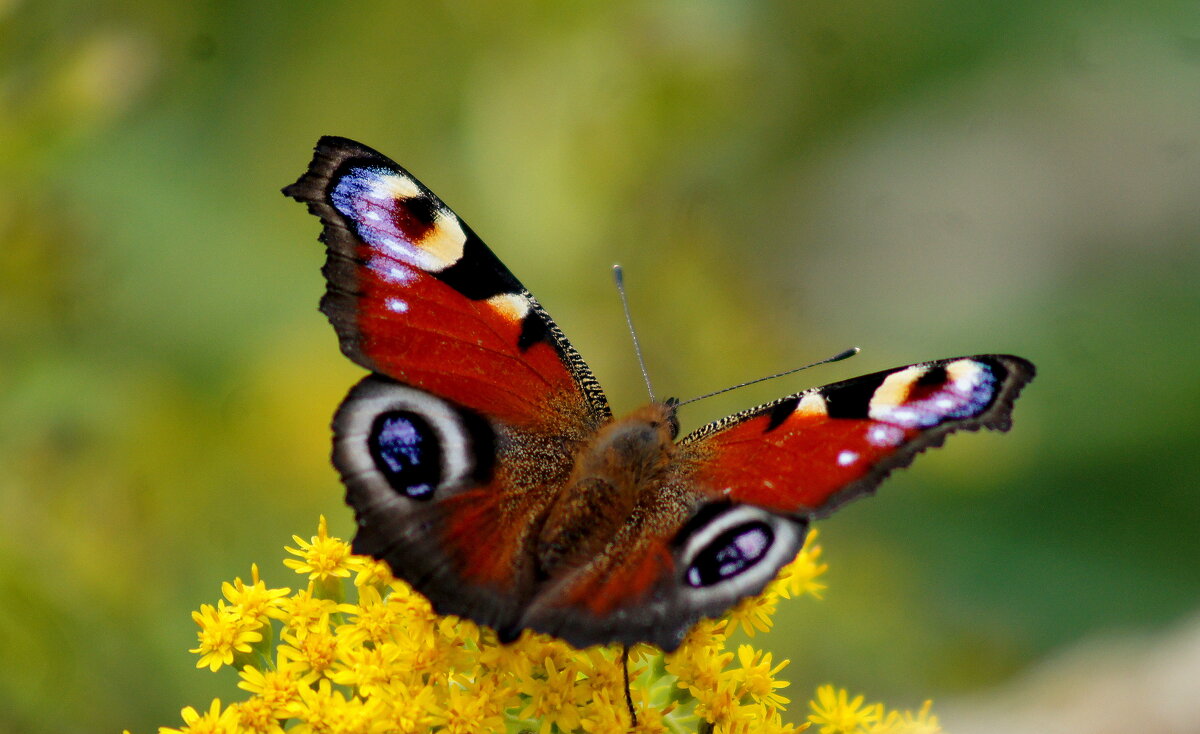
{"x":484,"y":465}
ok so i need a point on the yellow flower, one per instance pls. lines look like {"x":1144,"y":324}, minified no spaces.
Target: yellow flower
{"x":256,"y":716}
{"x":255,"y":601}
{"x":768,"y":721}
{"x":370,"y":572}
{"x":323,"y":558}
{"x":753,"y":614}
{"x":470,"y":711}
{"x":607,"y":714}
{"x":313,"y":649}
{"x":756,"y":677}
{"x":306,"y":611}
{"x":555,"y":698}
{"x":409,"y":708}
{"x":698,"y":667}
{"x":277,"y":688}
{"x":722,"y":706}
{"x":800,"y":576}
{"x":909,"y":722}
{"x":654,"y":716}
{"x":325,"y":711}
{"x":372,"y":619}
{"x":214,"y":721}
{"x":836,"y":714}
{"x":602,"y":668}
{"x":223,"y":631}
{"x":368,"y":670}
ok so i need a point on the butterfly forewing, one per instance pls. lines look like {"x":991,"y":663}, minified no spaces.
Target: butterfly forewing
{"x":810,"y":452}
{"x":414,"y":294}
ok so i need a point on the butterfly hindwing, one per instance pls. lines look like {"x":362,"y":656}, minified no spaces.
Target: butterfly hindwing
{"x":667,"y":572}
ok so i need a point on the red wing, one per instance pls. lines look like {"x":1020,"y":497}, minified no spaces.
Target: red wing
{"x":414,"y":294}
{"x":809,"y":453}
{"x":452,"y":451}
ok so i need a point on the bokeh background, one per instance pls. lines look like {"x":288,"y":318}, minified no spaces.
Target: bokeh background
{"x":780,"y":179}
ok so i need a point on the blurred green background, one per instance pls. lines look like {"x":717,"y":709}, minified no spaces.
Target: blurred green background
{"x":780,"y":179}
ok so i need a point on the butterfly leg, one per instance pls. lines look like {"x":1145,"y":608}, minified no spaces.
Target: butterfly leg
{"x":628,"y":695}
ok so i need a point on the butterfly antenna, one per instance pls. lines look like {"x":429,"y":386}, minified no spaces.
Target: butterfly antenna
{"x":628,"y":695}
{"x":835,"y":358}
{"x":619,"y":277}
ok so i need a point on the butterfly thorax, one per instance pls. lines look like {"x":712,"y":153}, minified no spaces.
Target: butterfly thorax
{"x":625,"y":460}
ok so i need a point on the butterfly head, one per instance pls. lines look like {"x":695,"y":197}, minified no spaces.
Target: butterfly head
{"x":641,"y":441}
{"x":670,"y":405}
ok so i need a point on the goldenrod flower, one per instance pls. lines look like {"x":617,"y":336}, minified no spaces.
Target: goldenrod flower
{"x":305,"y":610}
{"x":370,"y":572}
{"x":800,"y":576}
{"x":311,"y":649}
{"x":467,"y":711}
{"x":753,"y":614}
{"x":372,"y":619}
{"x":277,"y":688}
{"x":367,"y":654}
{"x":756,"y":677}
{"x":322,"y":710}
{"x":909,"y":722}
{"x":223,"y":631}
{"x":256,"y":716}
{"x":255,"y":601}
{"x":698,"y":665}
{"x":213,"y":721}
{"x":836,"y":713}
{"x":606,"y":714}
{"x":323,"y":558}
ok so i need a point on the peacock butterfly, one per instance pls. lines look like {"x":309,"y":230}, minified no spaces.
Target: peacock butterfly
{"x":485,"y":467}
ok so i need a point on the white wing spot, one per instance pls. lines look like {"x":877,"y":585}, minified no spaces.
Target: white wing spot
{"x":513,"y":306}
{"x":397,"y":305}
{"x":846,"y":458}
{"x":893,"y":391}
{"x":812,"y":404}
{"x":388,"y":185}
{"x":885,"y":435}
{"x":400,"y":275}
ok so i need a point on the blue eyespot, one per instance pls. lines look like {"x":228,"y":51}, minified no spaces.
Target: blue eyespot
{"x":406,"y":451}
{"x":731,"y":553}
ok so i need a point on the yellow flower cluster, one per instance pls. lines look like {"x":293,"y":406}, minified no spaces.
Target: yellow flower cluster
{"x":315,"y":663}
{"x":836,"y":713}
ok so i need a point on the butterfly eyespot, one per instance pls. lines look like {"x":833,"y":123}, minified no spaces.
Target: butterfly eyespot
{"x":407,"y":452}
{"x":730,"y":554}
{"x":396,"y":444}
